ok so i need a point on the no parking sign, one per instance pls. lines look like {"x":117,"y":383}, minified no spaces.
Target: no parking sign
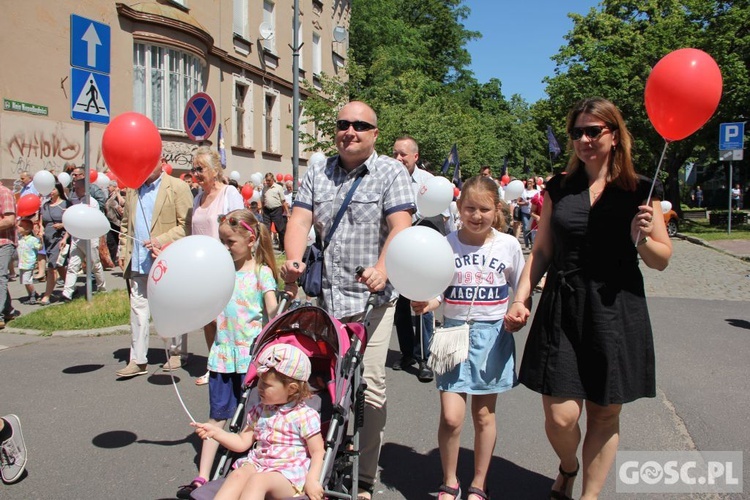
{"x":199,"y":117}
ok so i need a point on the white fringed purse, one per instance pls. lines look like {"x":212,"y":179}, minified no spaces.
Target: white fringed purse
{"x":450,"y":346}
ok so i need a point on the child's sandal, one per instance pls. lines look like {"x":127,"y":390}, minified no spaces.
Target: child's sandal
{"x":483,"y":494}
{"x":455,"y":492}
{"x":187,"y":489}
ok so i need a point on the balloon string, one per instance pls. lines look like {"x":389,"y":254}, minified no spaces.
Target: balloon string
{"x":174,"y":383}
{"x":653,"y":184}
{"x":127,"y":236}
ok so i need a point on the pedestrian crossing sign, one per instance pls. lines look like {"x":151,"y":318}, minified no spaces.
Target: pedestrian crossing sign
{"x":89,"y":96}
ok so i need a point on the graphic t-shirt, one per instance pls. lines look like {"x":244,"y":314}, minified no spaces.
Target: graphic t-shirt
{"x":484,"y":274}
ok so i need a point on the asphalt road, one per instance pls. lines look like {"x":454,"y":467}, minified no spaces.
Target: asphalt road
{"x":92,"y":436}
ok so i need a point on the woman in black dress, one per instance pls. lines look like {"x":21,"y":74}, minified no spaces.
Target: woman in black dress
{"x":590,"y":343}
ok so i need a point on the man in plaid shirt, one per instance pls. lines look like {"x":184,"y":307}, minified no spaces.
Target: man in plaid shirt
{"x":7,"y":249}
{"x":381,"y":207}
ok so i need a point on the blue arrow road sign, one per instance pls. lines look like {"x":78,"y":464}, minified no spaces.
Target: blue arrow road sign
{"x":90,"y":44}
{"x":731,"y":136}
{"x":89,"y":96}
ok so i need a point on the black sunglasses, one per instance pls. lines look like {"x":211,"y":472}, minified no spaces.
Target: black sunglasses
{"x":593,"y":132}
{"x":197,"y":169}
{"x":359,"y":126}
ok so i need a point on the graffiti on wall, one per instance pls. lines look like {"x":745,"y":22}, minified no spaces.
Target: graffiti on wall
{"x":179,"y":154}
{"x":35,"y":144}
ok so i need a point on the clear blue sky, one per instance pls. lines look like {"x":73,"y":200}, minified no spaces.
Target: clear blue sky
{"x":518,"y":39}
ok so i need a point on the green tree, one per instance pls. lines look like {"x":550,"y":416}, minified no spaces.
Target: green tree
{"x":611,"y":51}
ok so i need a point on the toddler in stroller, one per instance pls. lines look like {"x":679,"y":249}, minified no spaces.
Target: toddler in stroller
{"x":335,"y":352}
{"x":288,"y":455}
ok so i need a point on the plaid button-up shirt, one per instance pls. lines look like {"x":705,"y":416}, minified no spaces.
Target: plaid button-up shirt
{"x":359,"y":239}
{"x":7,"y":206}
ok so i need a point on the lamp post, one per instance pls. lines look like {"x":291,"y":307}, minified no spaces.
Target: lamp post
{"x":295,"y":99}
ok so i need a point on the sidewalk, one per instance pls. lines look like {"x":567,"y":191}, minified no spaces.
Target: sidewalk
{"x":739,"y":249}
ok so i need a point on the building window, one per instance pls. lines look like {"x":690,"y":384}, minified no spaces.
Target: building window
{"x":271,"y":118}
{"x":163,"y":81}
{"x":243,"y":113}
{"x":240,"y":18}
{"x":317,"y":55}
{"x":269,"y":17}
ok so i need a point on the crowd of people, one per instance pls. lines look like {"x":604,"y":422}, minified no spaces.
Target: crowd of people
{"x":590,"y":347}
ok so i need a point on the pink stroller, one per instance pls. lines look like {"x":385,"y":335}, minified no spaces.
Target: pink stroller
{"x":335,"y":351}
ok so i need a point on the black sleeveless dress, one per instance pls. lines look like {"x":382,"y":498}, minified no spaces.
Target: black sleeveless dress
{"x":591,"y":336}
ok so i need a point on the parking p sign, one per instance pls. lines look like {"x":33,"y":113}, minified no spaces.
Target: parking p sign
{"x":731,"y":136}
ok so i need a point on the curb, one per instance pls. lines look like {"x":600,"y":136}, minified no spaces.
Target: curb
{"x":108,"y":330}
{"x":704,"y":243}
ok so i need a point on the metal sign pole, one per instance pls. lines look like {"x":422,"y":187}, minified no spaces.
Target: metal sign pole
{"x":729,"y":218}
{"x":86,"y":197}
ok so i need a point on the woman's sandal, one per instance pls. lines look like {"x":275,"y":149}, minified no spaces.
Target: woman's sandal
{"x":567,"y":476}
{"x":483,"y":494}
{"x":455,"y":492}
{"x":187,"y":489}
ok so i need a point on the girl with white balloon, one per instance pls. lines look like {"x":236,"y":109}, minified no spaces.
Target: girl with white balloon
{"x":238,"y":324}
{"x":488,"y":263}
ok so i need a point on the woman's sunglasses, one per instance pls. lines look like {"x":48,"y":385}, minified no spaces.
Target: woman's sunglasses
{"x":358,"y":126}
{"x":197,"y":169}
{"x":233,"y":222}
{"x":593,"y":132}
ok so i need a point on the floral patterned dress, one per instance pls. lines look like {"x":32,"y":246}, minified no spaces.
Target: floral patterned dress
{"x":240,"y":322}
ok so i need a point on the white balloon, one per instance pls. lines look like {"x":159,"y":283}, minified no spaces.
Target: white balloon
{"x":234,"y":175}
{"x":255,"y":196}
{"x":514,"y":190}
{"x":419,"y":262}
{"x":316,"y":157}
{"x":102,"y":180}
{"x":666,"y":206}
{"x":44,"y":182}
{"x":434,"y":196}
{"x":257,"y":179}
{"x":85,"y":222}
{"x":453,"y":208}
{"x":64,"y":179}
{"x":190,"y":283}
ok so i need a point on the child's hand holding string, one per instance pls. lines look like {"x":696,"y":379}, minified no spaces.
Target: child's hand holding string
{"x":205,"y":431}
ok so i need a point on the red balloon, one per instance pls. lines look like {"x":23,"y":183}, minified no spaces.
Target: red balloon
{"x":28,"y":205}
{"x":504,"y":180}
{"x":288,"y":177}
{"x":456,"y":192}
{"x":682,"y":92}
{"x":93,"y":176}
{"x":279,"y":177}
{"x":166,"y":168}
{"x":246,"y":191}
{"x":131,"y":146}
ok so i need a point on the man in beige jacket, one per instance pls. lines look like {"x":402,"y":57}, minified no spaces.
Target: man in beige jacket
{"x":156,"y":214}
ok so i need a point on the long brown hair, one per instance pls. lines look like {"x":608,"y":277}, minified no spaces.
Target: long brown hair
{"x":264,"y":246}
{"x":620,"y":169}
{"x":481,"y":185}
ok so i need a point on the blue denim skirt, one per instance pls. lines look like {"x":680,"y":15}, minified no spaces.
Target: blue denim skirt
{"x":491,"y":365}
